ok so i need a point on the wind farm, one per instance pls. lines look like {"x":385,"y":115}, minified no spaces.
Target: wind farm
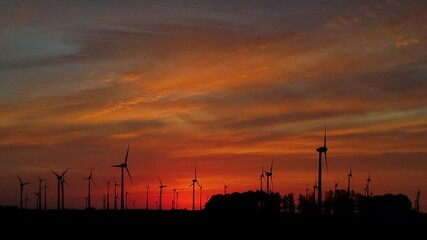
{"x":182,"y":112}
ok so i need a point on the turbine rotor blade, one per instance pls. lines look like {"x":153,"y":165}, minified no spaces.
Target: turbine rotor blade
{"x":63,"y":173}
{"x":55,"y":173}
{"x":20,"y":180}
{"x":127,"y":153}
{"x":271,"y":167}
{"x":130,"y":177}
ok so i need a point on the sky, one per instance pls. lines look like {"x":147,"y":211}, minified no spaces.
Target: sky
{"x":227,"y":86}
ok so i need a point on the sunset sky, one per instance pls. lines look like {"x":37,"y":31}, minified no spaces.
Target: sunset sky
{"x":224,"y":85}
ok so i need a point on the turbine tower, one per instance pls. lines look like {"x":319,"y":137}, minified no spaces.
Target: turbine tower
{"x":108,"y":193}
{"x":417,"y":202}
{"x":193,"y":184}
{"x":225,"y":188}
{"x":126,"y":198}
{"x":368,"y":183}
{"x":315,"y":187}
{"x":60,"y":184}
{"x":62,"y":190}
{"x":269,"y":179}
{"x":146,"y":202}
{"x":160,"y":194}
{"x":45,"y":195}
{"x":349,"y":180}
{"x":39,"y":195}
{"x":37,"y":199}
{"x":200,"y":197}
{"x":22,"y":184}
{"x":261,"y":177}
{"x":89,"y":179}
{"x":321,"y":150}
{"x":123,"y":166}
{"x":115,"y":194}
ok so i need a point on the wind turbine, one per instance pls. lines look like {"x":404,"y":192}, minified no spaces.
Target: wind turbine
{"x":417,"y":202}
{"x":173,"y":199}
{"x":22,"y":184}
{"x":368,"y":183}
{"x":26,"y":200}
{"x":39,"y":196}
{"x":123,"y":166}
{"x":269,"y":178}
{"x":126,"y":198}
{"x":200,"y":197}
{"x":108,"y":193}
{"x":160,"y":195}
{"x":37,"y":199}
{"x":321,"y":150}
{"x":60,"y":185}
{"x":349,"y":180}
{"x":193,"y":184}
{"x":115,"y":194}
{"x":261,"y":177}
{"x":146,"y":202}
{"x":315,"y":187}
{"x":89,"y":179}
{"x":104,"y":200}
{"x":45,"y":195}
{"x":176,"y":204}
{"x":225,"y":188}
{"x":306,"y":192}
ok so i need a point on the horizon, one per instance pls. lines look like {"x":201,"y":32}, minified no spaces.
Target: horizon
{"x":224,"y":86}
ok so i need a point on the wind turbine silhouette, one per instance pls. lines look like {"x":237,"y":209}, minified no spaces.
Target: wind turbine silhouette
{"x":115,"y":194}
{"x":349,"y":178}
{"x":123,"y":166}
{"x":60,"y":186}
{"x":89,"y":179}
{"x":321,"y":150}
{"x":315,"y":187}
{"x":146,"y":202}
{"x":200,"y":197}
{"x":45,"y":195}
{"x":368,"y":183}
{"x":22,"y":184}
{"x":225,"y":188}
{"x":39,"y":199}
{"x":26,"y":200}
{"x":269,"y":178}
{"x":126,"y":199}
{"x":336,"y":186}
{"x":417,"y":202}
{"x":104,"y":200}
{"x":261,"y":177}
{"x":108,"y":193}
{"x":193,"y":184}
{"x":62,"y":190}
{"x":306,"y":192}
{"x":160,"y":195}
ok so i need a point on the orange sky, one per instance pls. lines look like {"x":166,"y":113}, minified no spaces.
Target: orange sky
{"x":224,"y":86}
